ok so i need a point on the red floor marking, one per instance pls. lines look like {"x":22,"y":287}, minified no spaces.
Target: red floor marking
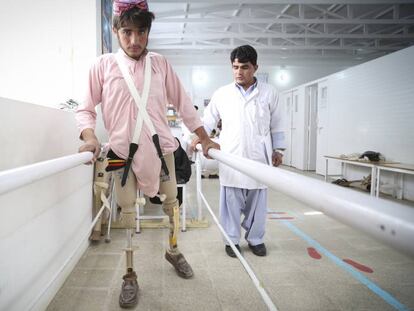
{"x":314,"y":253}
{"x":281,"y":218}
{"x":358,"y":266}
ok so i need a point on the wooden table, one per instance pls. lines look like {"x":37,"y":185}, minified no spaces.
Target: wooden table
{"x":344,"y":162}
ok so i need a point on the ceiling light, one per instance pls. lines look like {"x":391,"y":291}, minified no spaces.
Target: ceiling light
{"x":282,"y":76}
{"x":199,"y":77}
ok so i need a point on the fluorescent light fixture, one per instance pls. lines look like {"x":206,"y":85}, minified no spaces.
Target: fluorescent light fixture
{"x":283,"y":77}
{"x":312,"y":213}
{"x":199,"y":77}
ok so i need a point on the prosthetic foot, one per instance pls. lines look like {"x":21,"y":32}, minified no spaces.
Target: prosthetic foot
{"x":173,"y":255}
{"x":129,"y":291}
{"x":180,"y":264}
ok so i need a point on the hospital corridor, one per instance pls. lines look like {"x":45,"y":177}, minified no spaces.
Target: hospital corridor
{"x":207,"y":155}
{"x":314,"y":263}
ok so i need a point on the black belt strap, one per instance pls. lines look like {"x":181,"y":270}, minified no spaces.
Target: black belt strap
{"x":132,"y":149}
{"x":164,"y":169}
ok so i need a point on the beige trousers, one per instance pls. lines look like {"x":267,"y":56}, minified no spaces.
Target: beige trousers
{"x":126,"y":197}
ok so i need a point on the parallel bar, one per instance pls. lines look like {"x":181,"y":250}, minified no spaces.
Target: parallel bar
{"x":199,"y":186}
{"x":387,"y":221}
{"x":21,"y":176}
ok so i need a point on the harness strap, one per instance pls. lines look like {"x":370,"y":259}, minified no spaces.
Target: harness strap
{"x":141,"y":103}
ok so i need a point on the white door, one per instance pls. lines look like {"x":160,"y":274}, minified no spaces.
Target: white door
{"x":295,"y":139}
{"x":322,"y":122}
{"x":287,"y":102}
{"x":311,"y":127}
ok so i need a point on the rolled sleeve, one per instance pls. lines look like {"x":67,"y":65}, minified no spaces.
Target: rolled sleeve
{"x":86,"y":113}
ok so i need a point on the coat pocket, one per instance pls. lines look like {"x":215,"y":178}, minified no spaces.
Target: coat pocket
{"x":262,"y":118}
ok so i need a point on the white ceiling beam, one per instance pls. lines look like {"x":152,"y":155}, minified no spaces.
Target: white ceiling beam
{"x":371,"y":12}
{"x":203,"y":10}
{"x":326,"y":12}
{"x":186,"y":9}
{"x":256,"y":20}
{"x":349,"y":11}
{"x":332,"y":8}
{"x":307,"y":28}
{"x":272,"y":47}
{"x":388,"y":29}
{"x":235,"y":13}
{"x":291,"y":41}
{"x":283,"y":11}
{"x":390,"y":9}
{"x":399,"y":31}
{"x":396,"y":11}
{"x":274,"y":35}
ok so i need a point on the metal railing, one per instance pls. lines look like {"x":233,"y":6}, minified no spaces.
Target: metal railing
{"x":24,"y":175}
{"x":389,"y":222}
{"x":15,"y":178}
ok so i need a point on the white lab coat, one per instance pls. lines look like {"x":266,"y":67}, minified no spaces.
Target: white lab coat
{"x":247,"y":125}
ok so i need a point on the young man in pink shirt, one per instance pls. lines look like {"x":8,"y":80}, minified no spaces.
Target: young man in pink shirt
{"x":140,"y":141}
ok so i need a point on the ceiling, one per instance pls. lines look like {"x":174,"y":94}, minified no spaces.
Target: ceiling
{"x":283,"y":31}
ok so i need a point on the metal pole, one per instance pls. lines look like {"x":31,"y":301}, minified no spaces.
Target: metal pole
{"x":387,"y":221}
{"x":199,"y":186}
{"x":21,"y":176}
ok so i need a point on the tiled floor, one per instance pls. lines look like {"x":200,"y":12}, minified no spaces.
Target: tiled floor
{"x":293,"y":279}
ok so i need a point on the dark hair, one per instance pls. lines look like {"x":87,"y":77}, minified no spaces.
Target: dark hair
{"x":244,"y":54}
{"x":135,"y":17}
{"x":196,"y":107}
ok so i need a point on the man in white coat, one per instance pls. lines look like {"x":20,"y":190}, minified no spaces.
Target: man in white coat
{"x":251,"y":128}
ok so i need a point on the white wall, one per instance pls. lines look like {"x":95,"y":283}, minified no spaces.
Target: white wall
{"x":201,"y":81}
{"x":371,"y":107}
{"x":298,"y":75}
{"x":42,"y":223}
{"x":47,"y":48}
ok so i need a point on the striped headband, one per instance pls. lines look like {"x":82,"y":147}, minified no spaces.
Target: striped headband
{"x":120,"y":6}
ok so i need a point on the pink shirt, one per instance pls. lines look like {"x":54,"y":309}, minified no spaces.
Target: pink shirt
{"x":119,"y":112}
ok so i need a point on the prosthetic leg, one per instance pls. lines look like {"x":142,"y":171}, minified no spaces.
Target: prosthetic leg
{"x":126,"y":199}
{"x":101,"y":185}
{"x":129,"y":290}
{"x":171,"y":208}
{"x":173,"y":255}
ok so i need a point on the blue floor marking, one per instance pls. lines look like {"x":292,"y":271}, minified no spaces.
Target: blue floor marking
{"x":357,"y":275}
